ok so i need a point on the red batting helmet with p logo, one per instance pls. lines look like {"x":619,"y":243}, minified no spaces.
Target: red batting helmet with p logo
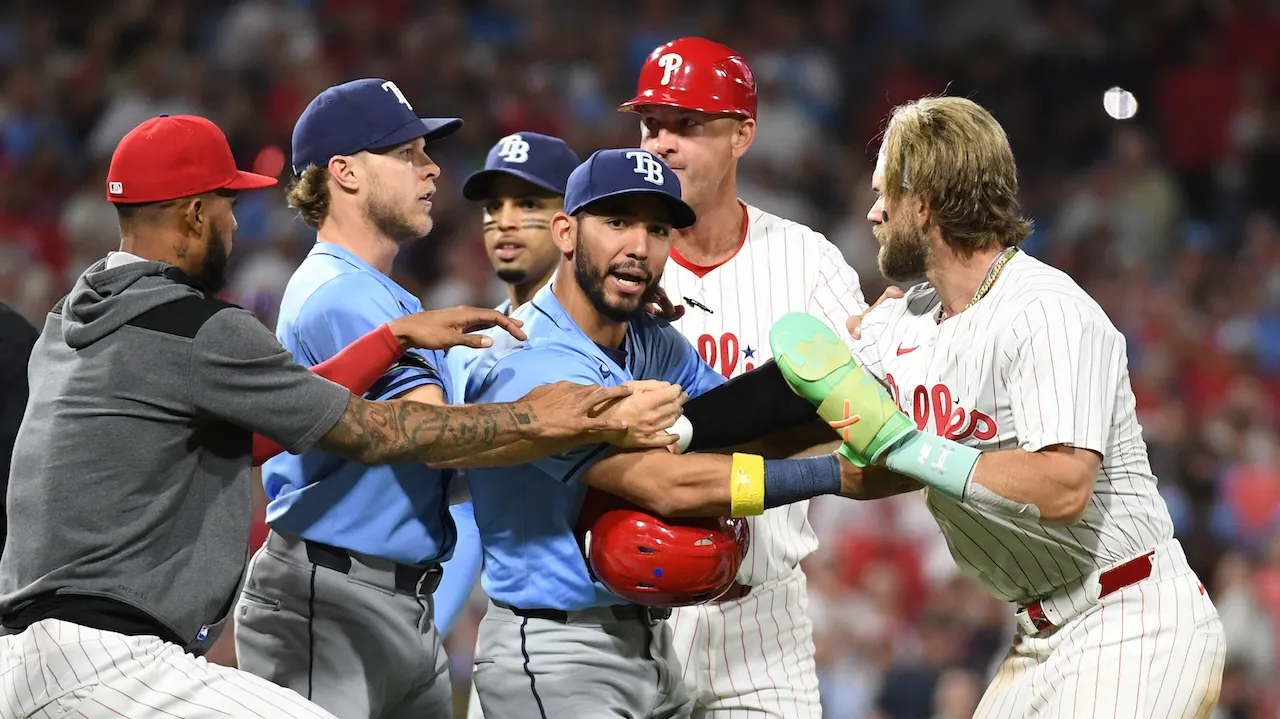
{"x":696,"y":74}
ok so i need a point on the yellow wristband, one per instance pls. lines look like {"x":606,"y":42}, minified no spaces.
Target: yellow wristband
{"x":746,"y":485}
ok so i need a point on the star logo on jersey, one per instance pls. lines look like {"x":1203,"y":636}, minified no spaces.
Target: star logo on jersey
{"x":748,"y":353}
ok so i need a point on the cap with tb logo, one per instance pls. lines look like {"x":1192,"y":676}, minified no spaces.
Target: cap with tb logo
{"x":366,"y":114}
{"x":614,"y":173}
{"x":166,"y":158}
{"x":540,"y":160}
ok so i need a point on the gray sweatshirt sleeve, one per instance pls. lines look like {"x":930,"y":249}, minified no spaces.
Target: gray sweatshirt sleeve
{"x":241,"y":374}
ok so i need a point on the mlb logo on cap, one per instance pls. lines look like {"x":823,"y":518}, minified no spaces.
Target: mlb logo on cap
{"x":541,"y":160}
{"x":615,"y":173}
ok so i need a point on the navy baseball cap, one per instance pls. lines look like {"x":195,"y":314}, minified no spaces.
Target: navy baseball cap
{"x":360,"y":115}
{"x":538,"y":159}
{"x":612,"y":173}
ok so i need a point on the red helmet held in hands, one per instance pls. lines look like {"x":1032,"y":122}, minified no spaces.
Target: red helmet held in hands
{"x":696,"y":74}
{"x":656,"y":562}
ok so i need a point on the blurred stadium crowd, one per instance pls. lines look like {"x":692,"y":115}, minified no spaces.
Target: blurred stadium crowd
{"x":1171,"y":220}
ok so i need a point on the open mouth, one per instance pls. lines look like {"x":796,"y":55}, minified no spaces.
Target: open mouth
{"x":507,"y":250}
{"x":630,"y":281}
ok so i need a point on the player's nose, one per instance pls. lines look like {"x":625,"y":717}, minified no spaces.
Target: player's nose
{"x":876,"y":214}
{"x":663,"y":142}
{"x":507,"y":217}
{"x":428,"y":168}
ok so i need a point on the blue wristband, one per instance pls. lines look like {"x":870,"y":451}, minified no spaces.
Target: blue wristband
{"x":939,"y":463}
{"x":792,"y":480}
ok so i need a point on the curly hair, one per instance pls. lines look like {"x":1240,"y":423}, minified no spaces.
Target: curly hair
{"x":309,"y":195}
{"x":950,"y":152}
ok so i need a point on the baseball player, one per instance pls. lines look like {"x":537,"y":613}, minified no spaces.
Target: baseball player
{"x":737,"y":271}
{"x":520,"y":189}
{"x":1008,"y":397}
{"x":129,"y":500}
{"x":553,"y":642}
{"x":337,"y":603}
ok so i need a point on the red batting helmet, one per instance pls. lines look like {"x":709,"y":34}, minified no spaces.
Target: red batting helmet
{"x":656,"y":562}
{"x":696,"y":74}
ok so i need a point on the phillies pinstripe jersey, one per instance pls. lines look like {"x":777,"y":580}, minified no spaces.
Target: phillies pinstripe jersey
{"x":1034,"y":363}
{"x":780,"y":267}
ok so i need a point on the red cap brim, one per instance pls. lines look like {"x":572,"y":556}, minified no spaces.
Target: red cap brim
{"x":681,"y":100}
{"x":249,"y":181}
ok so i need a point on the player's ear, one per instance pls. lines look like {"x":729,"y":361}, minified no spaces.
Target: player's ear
{"x":342,"y":168}
{"x":194,"y":215}
{"x":743,"y":135}
{"x":564,"y":231}
{"x":921,"y":210}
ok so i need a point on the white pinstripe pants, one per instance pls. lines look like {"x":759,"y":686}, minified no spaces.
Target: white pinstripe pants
{"x":59,"y":669}
{"x":753,"y":657}
{"x":1154,"y":650}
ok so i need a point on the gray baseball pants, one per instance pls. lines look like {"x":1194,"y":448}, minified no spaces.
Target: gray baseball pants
{"x":614,"y":662}
{"x":361,"y":643}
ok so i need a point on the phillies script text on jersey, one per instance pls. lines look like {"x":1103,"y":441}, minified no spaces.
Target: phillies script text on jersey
{"x":935,"y":407}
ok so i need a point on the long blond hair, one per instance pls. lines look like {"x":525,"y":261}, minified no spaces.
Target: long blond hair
{"x":950,"y":152}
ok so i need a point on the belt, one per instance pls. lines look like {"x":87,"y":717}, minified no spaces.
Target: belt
{"x":623,"y":612}
{"x":1034,"y":619}
{"x":736,"y":592}
{"x":420,"y":581}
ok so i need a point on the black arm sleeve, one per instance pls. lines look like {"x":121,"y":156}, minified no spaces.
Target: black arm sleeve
{"x":746,"y":408}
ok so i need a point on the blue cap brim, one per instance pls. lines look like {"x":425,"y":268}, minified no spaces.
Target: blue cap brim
{"x":429,"y":129}
{"x":477,"y":185}
{"x":682,"y":215}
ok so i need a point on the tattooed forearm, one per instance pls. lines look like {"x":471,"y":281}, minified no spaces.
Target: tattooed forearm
{"x":405,"y":431}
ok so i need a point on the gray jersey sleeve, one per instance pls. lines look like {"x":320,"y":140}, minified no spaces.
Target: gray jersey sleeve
{"x":241,"y":374}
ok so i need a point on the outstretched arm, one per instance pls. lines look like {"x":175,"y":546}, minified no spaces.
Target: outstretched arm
{"x":404,"y":430}
{"x":716,"y":485}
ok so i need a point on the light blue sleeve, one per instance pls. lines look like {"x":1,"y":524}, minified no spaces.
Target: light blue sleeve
{"x":525,"y":369}
{"x":682,"y":363}
{"x":462,"y":571}
{"x":345,"y":309}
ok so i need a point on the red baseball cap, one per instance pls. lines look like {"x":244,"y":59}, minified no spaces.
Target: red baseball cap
{"x":169,"y":157}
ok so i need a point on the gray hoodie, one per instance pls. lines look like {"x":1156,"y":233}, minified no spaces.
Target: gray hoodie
{"x":130,"y":479}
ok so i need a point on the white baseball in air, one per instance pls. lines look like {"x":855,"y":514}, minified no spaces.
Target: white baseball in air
{"x":1119,"y":103}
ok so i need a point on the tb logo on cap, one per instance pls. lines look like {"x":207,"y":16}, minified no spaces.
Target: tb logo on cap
{"x":647,"y":165}
{"x":513,"y":149}
{"x":669,"y":63}
{"x":391,"y":88}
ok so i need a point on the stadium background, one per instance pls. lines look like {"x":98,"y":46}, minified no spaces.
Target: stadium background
{"x":1170,"y":219}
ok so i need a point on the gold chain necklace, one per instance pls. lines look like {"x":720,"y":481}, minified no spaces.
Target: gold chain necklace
{"x":988,"y":281}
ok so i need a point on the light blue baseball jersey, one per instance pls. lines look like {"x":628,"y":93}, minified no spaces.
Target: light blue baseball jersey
{"x":526,"y":513}
{"x":463,"y":568}
{"x":400,"y":511}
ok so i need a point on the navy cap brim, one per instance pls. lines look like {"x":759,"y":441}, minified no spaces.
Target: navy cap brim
{"x":429,"y":129}
{"x":681,"y":214}
{"x":477,"y":185}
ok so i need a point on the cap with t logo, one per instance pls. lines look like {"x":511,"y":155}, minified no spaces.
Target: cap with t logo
{"x":615,"y":173}
{"x":368,"y":114}
{"x":541,"y":160}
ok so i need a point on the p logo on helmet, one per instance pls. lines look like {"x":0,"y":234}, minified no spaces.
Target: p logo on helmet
{"x":669,"y":63}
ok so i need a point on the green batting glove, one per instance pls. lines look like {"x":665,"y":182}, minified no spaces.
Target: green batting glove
{"x":818,"y":366}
